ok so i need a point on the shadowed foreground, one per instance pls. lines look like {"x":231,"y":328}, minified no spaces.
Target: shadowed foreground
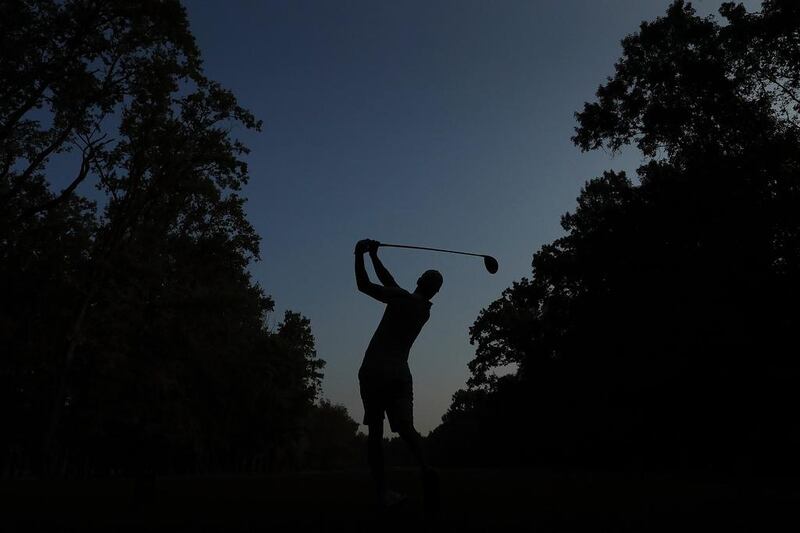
{"x":473,"y":500}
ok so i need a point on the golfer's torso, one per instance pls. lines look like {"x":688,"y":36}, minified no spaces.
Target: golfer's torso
{"x":387,"y":353}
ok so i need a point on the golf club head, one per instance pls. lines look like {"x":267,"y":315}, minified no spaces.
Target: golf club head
{"x":490,"y":263}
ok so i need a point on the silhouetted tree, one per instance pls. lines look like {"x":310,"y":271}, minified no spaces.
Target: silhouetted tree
{"x":134,"y":339}
{"x":331,"y":440}
{"x":658,"y":330}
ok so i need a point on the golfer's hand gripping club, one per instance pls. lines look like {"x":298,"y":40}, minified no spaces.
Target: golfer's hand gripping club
{"x":365,"y":245}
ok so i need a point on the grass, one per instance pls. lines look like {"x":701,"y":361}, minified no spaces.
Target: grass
{"x":472,"y":500}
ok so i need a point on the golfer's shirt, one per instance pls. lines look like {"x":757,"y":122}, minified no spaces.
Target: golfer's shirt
{"x":387,"y":353}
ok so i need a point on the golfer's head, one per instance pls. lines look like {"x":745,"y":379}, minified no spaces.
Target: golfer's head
{"x":429,"y":283}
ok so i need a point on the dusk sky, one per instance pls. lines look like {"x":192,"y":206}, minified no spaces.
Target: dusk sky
{"x":433,"y":123}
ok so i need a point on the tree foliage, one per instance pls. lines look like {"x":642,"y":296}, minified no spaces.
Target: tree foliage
{"x":658,"y":329}
{"x":134,"y":338}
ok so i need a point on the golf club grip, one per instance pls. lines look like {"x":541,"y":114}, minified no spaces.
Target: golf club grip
{"x":426,"y":248}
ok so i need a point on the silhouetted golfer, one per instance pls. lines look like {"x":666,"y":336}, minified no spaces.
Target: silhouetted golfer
{"x":384,"y":376}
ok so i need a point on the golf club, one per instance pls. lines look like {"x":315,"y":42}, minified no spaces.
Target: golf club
{"x":488,"y":261}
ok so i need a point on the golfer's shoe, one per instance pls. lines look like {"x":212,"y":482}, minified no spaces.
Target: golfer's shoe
{"x":391,"y":499}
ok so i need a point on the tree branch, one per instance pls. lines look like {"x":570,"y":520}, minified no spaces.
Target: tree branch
{"x":786,"y":91}
{"x":34,"y":164}
{"x":86,"y":163}
{"x":6,"y":128}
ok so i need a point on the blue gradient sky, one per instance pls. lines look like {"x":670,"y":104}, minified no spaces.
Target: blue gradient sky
{"x":439,"y":123}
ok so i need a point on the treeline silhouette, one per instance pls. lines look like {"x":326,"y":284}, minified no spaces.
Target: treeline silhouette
{"x":658,"y":333}
{"x":134,"y":340}
{"x":661,"y":331}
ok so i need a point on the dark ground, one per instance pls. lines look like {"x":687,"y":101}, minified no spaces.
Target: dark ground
{"x":473,"y":500}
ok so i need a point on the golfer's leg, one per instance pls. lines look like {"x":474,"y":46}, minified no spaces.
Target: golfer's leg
{"x":414,"y":441}
{"x":401,"y":418}
{"x":375,"y":457}
{"x":430,"y":478}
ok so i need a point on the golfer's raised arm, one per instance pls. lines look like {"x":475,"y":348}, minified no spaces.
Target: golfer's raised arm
{"x":362,"y":279}
{"x":383,"y":275}
{"x":384,"y":294}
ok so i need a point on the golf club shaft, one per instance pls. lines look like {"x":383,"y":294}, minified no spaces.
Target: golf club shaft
{"x":431,"y":249}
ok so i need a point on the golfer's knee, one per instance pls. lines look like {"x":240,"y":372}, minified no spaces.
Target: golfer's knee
{"x":407,"y":432}
{"x":375,"y":432}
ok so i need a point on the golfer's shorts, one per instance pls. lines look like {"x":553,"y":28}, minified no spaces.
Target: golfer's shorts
{"x":394,"y":397}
